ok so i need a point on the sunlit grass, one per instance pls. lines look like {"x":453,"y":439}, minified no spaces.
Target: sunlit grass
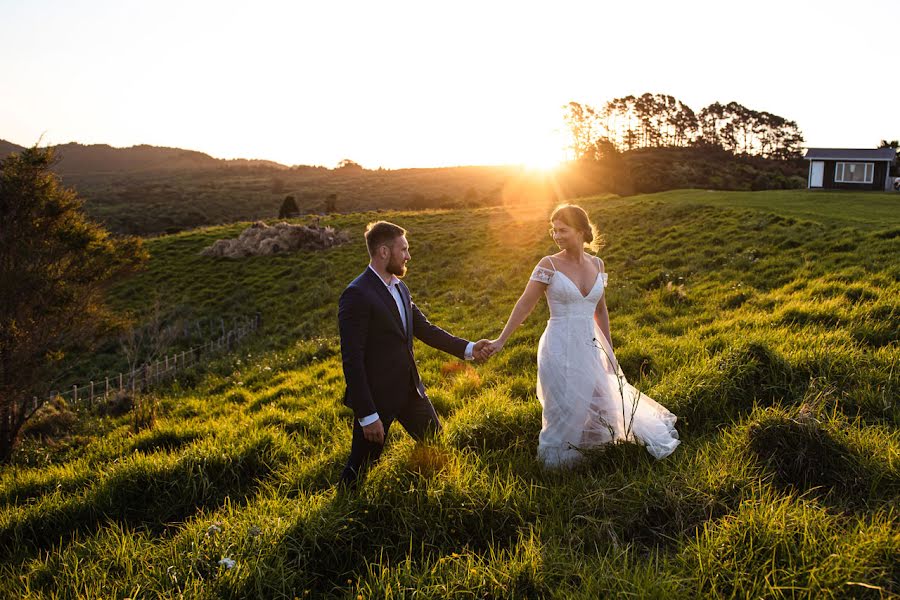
{"x":767,"y":323}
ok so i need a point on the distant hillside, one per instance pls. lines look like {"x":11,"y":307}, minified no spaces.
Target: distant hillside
{"x":8,"y":148}
{"x":83,"y":159}
{"x":149,"y":190}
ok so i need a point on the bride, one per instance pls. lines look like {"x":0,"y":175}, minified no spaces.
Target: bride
{"x":585,"y":398}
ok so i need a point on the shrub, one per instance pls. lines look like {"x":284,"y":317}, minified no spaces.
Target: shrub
{"x":52,"y":420}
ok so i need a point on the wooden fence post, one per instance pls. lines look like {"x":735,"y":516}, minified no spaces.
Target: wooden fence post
{"x":154,"y":373}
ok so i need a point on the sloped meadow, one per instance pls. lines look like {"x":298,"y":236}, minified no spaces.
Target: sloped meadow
{"x":767,"y":323}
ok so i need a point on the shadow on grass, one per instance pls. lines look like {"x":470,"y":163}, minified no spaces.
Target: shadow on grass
{"x":747,"y":374}
{"x":167,"y":439}
{"x":635,"y":504}
{"x":801,"y":455}
{"x":386,"y":524}
{"x":150,"y":492}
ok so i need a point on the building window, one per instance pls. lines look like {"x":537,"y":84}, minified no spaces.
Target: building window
{"x":854,"y":172}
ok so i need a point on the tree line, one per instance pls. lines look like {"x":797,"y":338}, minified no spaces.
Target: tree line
{"x":660,"y":120}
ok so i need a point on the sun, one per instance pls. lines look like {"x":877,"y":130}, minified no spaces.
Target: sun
{"x":542,"y":153}
{"x":542,"y":159}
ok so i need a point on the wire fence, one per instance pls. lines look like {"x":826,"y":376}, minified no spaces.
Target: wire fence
{"x":145,"y":376}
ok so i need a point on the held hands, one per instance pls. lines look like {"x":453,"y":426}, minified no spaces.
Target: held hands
{"x":484,"y":349}
{"x":481,"y":352}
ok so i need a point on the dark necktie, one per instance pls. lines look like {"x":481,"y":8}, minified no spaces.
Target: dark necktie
{"x":402,"y":306}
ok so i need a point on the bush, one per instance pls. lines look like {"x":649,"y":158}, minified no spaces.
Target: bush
{"x":52,"y":420}
{"x":288,"y":208}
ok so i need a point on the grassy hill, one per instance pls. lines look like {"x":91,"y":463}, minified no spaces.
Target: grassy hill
{"x":158,"y":202}
{"x":768,"y":322}
{"x":148,"y":190}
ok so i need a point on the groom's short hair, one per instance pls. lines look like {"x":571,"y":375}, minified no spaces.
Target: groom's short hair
{"x":381,"y":233}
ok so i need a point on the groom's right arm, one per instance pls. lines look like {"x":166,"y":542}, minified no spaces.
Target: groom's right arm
{"x":353,"y":323}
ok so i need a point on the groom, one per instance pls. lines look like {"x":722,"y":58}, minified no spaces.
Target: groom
{"x":377,"y":321}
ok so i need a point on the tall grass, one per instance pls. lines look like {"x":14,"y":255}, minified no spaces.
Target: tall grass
{"x":768,"y":323}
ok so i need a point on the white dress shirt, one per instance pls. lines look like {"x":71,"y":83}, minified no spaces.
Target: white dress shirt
{"x":394,"y":290}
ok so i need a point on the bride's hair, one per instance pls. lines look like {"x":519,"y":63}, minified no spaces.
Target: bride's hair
{"x":575,"y":216}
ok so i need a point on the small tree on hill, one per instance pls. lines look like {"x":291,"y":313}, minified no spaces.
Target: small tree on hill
{"x":54,"y":267}
{"x":331,"y":203}
{"x":288,"y":208}
{"x":349,"y":165}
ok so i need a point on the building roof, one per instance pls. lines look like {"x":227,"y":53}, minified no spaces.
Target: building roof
{"x":886,"y":154}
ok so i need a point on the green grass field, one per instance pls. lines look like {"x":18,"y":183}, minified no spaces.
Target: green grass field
{"x":768,"y":322}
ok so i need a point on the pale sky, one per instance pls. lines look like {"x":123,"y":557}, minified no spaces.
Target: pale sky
{"x":419,"y":83}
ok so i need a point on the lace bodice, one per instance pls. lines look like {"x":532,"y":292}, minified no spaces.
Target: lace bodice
{"x":563,"y":296}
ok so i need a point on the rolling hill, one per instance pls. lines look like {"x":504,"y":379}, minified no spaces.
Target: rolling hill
{"x":768,"y":322}
{"x":147,"y":190}
{"x":95,"y":159}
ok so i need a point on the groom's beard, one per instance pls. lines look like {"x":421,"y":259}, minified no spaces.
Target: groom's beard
{"x":396,"y":266}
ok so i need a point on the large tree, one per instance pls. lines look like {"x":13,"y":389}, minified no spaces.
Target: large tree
{"x":742,"y":130}
{"x":54,"y":266}
{"x":584,"y":127}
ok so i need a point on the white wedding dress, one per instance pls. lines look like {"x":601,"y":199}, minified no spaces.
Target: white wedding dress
{"x":586,"y":401}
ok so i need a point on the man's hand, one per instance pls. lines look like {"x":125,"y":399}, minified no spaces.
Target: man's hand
{"x":374,"y":432}
{"x":482,"y":350}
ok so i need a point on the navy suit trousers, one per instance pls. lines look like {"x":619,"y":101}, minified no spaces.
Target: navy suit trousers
{"x":418,"y":418}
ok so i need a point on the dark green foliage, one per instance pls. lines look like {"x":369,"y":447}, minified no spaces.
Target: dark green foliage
{"x":288,"y":208}
{"x":54,"y":267}
{"x":51,"y":420}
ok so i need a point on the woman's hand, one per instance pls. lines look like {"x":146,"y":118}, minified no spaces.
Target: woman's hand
{"x":495,"y":345}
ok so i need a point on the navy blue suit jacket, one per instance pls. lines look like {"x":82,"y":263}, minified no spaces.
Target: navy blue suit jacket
{"x":377,"y":354}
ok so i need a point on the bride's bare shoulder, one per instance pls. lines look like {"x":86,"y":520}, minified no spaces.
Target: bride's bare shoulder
{"x":546,"y":263}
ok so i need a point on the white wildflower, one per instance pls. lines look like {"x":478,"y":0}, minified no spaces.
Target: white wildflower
{"x":227,"y":562}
